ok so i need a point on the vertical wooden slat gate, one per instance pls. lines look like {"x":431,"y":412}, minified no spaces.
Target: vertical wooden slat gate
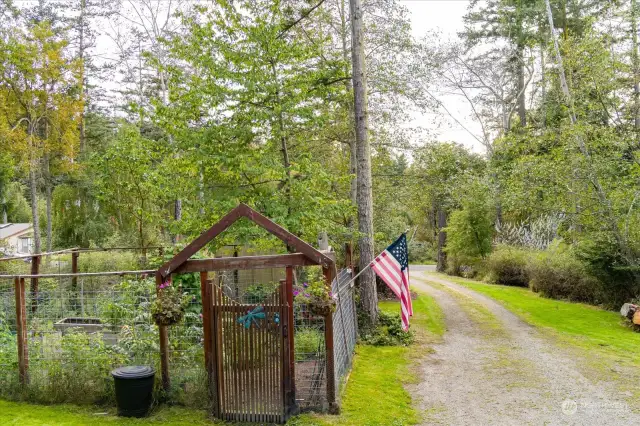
{"x":250,"y":368}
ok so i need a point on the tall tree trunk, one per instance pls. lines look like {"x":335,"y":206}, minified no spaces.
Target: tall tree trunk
{"x":49,"y":225}
{"x":636,"y":69}
{"x":543,"y":83}
{"x":201,"y":190}
{"x":522,"y":108}
{"x":368,"y":295}
{"x":81,"y":49}
{"x":353,"y":155}
{"x":442,"y":239}
{"x":48,"y":191}
{"x":33,"y":189}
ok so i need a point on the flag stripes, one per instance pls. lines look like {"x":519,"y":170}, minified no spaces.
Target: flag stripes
{"x":392,"y":267}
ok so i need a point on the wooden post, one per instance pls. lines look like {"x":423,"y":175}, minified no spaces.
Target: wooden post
{"x":208,"y":326}
{"x":74,"y":280}
{"x":35,"y":270}
{"x":21,"y":328}
{"x":348,"y":256}
{"x":164,"y":345}
{"x":334,"y":408}
{"x":74,"y":268}
{"x":290,"y":340}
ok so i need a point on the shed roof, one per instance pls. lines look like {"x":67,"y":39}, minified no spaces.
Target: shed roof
{"x":10,"y":229}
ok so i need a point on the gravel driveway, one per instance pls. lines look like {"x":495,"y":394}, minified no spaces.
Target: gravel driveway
{"x":494,"y":369}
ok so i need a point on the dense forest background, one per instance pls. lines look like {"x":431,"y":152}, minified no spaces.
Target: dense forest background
{"x":208,"y":104}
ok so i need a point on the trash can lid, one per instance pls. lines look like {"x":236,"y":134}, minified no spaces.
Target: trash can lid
{"x":133,"y":372}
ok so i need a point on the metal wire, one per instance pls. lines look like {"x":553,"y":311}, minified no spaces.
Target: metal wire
{"x":345,"y":325}
{"x":79,"y":330}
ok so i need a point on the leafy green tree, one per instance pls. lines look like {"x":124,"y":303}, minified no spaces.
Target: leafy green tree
{"x":39,"y":110}
{"x":440,"y":169}
{"x":470,"y":230}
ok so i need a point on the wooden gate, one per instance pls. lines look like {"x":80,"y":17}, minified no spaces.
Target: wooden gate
{"x":251,"y":366}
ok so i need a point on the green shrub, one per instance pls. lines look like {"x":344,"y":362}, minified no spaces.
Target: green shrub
{"x":308,"y":343}
{"x":604,"y":259}
{"x":508,"y":266}
{"x":258,"y":293}
{"x":8,"y":359}
{"x":470,"y":230}
{"x":72,"y":368}
{"x":422,"y":252}
{"x":388,"y":332}
{"x":463,"y":266}
{"x":559,"y":274}
{"x":109,"y":261}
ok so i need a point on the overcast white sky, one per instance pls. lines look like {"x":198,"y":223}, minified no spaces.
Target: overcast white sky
{"x":444,"y":16}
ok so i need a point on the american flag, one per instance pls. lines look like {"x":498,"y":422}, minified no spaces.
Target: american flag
{"x":392,"y":265}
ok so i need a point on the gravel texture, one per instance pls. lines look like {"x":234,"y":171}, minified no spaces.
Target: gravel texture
{"x":494,"y":369}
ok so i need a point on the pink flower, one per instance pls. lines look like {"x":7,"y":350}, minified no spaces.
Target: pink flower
{"x":305,"y":285}
{"x":296,"y":292}
{"x":307,"y":295}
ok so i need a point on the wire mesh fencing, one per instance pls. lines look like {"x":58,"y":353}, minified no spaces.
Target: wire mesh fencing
{"x":345,"y":325}
{"x":8,"y":341}
{"x":310,"y":359}
{"x":79,"y":328}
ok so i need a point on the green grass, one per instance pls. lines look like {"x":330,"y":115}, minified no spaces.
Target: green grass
{"x":23,"y":414}
{"x":374,"y":395}
{"x":427,"y":314}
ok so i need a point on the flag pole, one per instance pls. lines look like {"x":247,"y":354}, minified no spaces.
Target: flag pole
{"x":358,"y":274}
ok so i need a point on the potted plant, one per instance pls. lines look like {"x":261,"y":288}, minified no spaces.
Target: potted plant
{"x":168,"y":308}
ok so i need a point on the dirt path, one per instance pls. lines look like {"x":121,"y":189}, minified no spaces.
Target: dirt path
{"x":494,"y":369}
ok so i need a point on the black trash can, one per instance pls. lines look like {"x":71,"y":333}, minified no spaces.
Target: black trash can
{"x":134,"y":390}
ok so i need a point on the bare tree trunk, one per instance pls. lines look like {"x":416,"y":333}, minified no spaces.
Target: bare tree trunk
{"x":522,"y":108}
{"x":636,"y":68}
{"x":543,"y":83}
{"x":49,"y":225}
{"x":368,"y":295}
{"x":201,"y":190}
{"x":442,"y":240}
{"x":353,"y":160}
{"x":33,"y":188}
{"x":81,"y":48}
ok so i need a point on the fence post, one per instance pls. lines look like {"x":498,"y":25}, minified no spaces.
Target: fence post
{"x":74,"y":268}
{"x":164,"y":345}
{"x":21,"y":328}
{"x":208,"y":327}
{"x":290,"y":339}
{"x":334,"y":408}
{"x":74,"y":280}
{"x":35,"y":270}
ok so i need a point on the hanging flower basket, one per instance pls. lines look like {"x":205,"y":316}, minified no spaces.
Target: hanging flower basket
{"x":168,"y":308}
{"x":317,"y":297}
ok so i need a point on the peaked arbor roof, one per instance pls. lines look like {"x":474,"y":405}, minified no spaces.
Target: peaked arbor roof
{"x":242,"y":210}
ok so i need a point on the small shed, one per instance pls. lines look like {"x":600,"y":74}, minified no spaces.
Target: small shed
{"x":17,"y":237}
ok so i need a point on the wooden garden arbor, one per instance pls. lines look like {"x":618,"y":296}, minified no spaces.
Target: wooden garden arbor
{"x":258,"y":389}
